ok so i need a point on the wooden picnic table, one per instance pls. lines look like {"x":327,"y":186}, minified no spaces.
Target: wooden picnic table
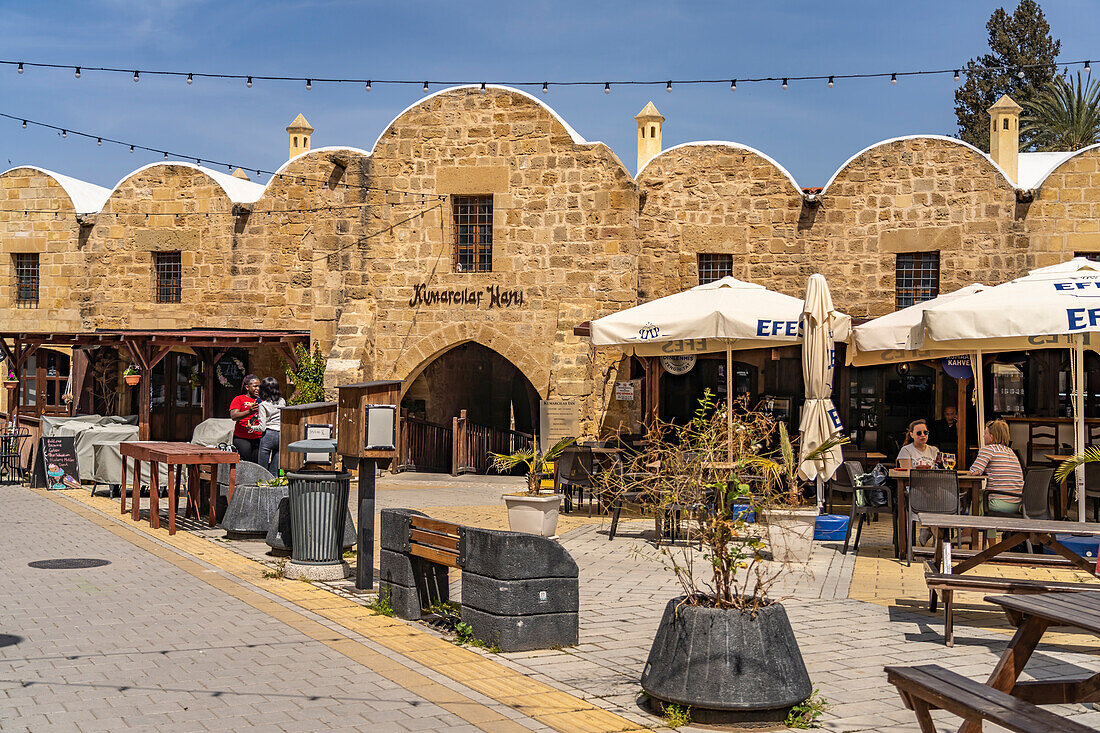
{"x":1018,"y":529}
{"x":1033,"y":615}
{"x":173,"y":455}
{"x":967,"y":482}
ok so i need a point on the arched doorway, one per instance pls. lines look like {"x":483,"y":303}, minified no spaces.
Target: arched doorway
{"x":498,"y":400}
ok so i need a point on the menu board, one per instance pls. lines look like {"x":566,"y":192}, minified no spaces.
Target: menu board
{"x":55,"y":466}
{"x":558,"y":419}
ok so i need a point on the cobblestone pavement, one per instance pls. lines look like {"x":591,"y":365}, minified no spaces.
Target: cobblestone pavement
{"x":852,"y":615}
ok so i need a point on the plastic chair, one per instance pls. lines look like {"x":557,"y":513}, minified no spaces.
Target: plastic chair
{"x":932,"y":492}
{"x":843,"y":482}
{"x":578,"y":478}
{"x":862,"y":508}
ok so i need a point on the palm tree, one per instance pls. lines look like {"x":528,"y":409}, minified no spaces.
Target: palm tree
{"x":1065,"y":116}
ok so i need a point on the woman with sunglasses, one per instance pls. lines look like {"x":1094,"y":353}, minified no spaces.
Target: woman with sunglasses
{"x":916,"y":453}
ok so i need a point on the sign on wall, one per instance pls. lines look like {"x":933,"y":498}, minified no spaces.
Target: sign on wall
{"x":678,"y":364}
{"x":958,"y":367}
{"x":624,"y":391}
{"x":489,"y":297}
{"x":558,"y":419}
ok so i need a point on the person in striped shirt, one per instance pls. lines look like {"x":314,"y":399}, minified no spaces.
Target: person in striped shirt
{"x":999,"y":462}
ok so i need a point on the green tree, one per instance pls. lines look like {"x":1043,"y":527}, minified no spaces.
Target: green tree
{"x":1015,"y":41}
{"x":309,"y":378}
{"x":1065,"y":116}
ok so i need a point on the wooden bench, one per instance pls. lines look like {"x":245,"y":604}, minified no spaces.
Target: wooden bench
{"x":931,"y":687}
{"x":519,"y":591}
{"x":946,"y":584}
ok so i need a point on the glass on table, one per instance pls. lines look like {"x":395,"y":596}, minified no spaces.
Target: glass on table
{"x":948,"y":461}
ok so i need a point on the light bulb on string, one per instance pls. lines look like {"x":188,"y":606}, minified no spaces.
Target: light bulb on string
{"x":425,"y":87}
{"x":20,"y":69}
{"x":668,"y":87}
{"x":368,"y":85}
{"x":309,"y":84}
{"x":1020,"y":74}
{"x":99,"y":142}
{"x":545,"y":88}
{"x":894,"y":79}
{"x":607,"y":87}
{"x":249,"y":83}
{"x":483,"y":87}
{"x":131,"y":148}
{"x":78,"y":72}
{"x":784,"y":83}
{"x":190,"y":78}
{"x":1088,"y":67}
{"x":136,"y":77}
{"x":956,"y":77}
{"x":733,"y":85}
{"x":64,"y":133}
{"x":166,"y":155}
{"x":24,"y":124}
{"x":830,"y":82}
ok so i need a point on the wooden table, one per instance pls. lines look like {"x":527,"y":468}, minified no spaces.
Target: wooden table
{"x":1063,"y":494}
{"x":1033,"y":615}
{"x":172,"y":455}
{"x":873,"y":456}
{"x":967,"y":482}
{"x":1018,"y":529}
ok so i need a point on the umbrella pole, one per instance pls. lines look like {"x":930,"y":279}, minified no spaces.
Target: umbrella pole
{"x":979,"y":395}
{"x":729,"y":403}
{"x":1079,"y":420}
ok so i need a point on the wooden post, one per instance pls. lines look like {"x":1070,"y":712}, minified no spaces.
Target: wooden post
{"x":960,"y":425}
{"x":652,"y":390}
{"x":459,"y":443}
{"x":207,"y":383}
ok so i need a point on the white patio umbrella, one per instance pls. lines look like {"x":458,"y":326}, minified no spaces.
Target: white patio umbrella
{"x":1052,"y":307}
{"x":819,"y":418}
{"x":723,"y":315}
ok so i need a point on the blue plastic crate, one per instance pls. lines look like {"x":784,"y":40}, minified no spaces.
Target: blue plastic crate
{"x":745,"y":510}
{"x":831,"y":527}
{"x":1083,"y":546}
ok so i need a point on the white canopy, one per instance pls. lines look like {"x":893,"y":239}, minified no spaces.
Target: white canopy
{"x":889,"y":339}
{"x":1052,"y":307}
{"x":724,"y":314}
{"x":819,"y":418}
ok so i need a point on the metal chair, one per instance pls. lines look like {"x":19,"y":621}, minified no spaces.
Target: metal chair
{"x":12,"y":470}
{"x":576,"y":475}
{"x":930,"y":491}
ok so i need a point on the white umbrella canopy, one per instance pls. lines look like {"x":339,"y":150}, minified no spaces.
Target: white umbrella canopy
{"x":726,"y":313}
{"x":819,"y":418}
{"x":889,"y":339}
{"x":1051,"y":307}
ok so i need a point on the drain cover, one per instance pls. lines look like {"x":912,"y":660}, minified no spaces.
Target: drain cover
{"x":69,"y":563}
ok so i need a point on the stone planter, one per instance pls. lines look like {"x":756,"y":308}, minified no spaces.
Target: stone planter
{"x":790,"y":533}
{"x":533,"y":514}
{"x":745,"y":668}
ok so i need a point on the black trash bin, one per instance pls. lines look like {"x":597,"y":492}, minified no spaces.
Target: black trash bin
{"x":318,"y":506}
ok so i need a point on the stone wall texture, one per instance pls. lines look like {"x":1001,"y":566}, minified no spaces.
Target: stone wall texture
{"x":339,"y":242}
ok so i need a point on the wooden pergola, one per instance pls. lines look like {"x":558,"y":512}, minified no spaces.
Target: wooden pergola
{"x":148,"y":347}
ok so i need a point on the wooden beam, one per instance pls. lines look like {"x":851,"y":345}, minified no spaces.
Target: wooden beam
{"x":156,"y":359}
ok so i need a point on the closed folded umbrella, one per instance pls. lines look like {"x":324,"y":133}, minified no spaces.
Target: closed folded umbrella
{"x":820,"y":421}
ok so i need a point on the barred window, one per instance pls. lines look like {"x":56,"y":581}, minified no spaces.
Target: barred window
{"x":714,"y":267}
{"x":473,"y":221}
{"x":918,"y":278}
{"x":168,"y":269}
{"x":26,"y":278}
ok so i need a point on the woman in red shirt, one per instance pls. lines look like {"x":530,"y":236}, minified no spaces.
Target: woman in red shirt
{"x":244,"y":409}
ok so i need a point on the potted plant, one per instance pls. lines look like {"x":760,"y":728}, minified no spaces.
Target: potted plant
{"x":132,"y":375}
{"x":532,"y":511}
{"x":11,"y":381}
{"x":725,"y":647}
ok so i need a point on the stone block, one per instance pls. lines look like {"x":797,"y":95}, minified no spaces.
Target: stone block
{"x":523,"y":633}
{"x":513,"y":555}
{"x":393,"y":529}
{"x":520,"y":597}
{"x":432,"y":581}
{"x":404,"y":601}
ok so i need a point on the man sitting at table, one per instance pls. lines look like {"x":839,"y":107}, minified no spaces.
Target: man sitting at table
{"x":1005,"y":484}
{"x":945,"y":431}
{"x":916,"y":453}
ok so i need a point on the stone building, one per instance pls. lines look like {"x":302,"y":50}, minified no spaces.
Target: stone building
{"x":462,"y":249}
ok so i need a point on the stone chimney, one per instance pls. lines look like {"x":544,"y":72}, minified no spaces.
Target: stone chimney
{"x":300,"y":132}
{"x":1004,"y":136}
{"x":649,"y":134}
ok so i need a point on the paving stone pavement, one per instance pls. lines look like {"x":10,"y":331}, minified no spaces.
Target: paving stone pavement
{"x":140,"y":644}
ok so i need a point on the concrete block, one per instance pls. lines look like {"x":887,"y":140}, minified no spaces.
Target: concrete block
{"x":513,"y":555}
{"x":523,"y":633}
{"x":404,"y":601}
{"x":431,"y":581}
{"x":520,"y":597}
{"x":393,"y":529}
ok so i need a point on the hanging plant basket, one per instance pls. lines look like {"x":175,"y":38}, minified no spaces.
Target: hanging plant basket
{"x":132,"y":379}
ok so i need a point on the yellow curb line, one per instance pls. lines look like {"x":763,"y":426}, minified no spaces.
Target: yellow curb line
{"x":554,"y":708}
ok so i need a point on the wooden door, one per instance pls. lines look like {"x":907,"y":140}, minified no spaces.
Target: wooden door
{"x":176,"y":405}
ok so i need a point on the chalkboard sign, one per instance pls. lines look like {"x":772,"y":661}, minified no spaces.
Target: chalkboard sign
{"x":55,"y":467}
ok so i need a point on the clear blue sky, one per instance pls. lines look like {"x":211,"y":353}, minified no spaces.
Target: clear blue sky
{"x":809,"y":129}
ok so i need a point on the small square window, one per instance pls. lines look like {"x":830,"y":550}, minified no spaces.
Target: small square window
{"x":26,"y":278}
{"x":918,"y":278}
{"x":714,"y":267}
{"x":473,"y":223}
{"x":168,"y":269}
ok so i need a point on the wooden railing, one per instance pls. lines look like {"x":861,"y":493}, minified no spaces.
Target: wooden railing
{"x":473,"y":443}
{"x":424,"y":446}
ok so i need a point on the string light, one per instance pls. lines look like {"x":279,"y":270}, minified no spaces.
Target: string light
{"x":64,"y":133}
{"x":830,"y":82}
{"x":309,"y":84}
{"x":607,"y":87}
{"x":894,"y":79}
{"x":668,"y":87}
{"x":249,"y":83}
{"x":955,"y":73}
{"x":733,"y":85}
{"x":99,"y":141}
{"x":546,"y":87}
{"x":483,"y":90}
{"x":24,"y":124}
{"x":131,"y":148}
{"x":1020,"y":74}
{"x":784,"y":83}
{"x":425,"y":87}
{"x":368,"y":85}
